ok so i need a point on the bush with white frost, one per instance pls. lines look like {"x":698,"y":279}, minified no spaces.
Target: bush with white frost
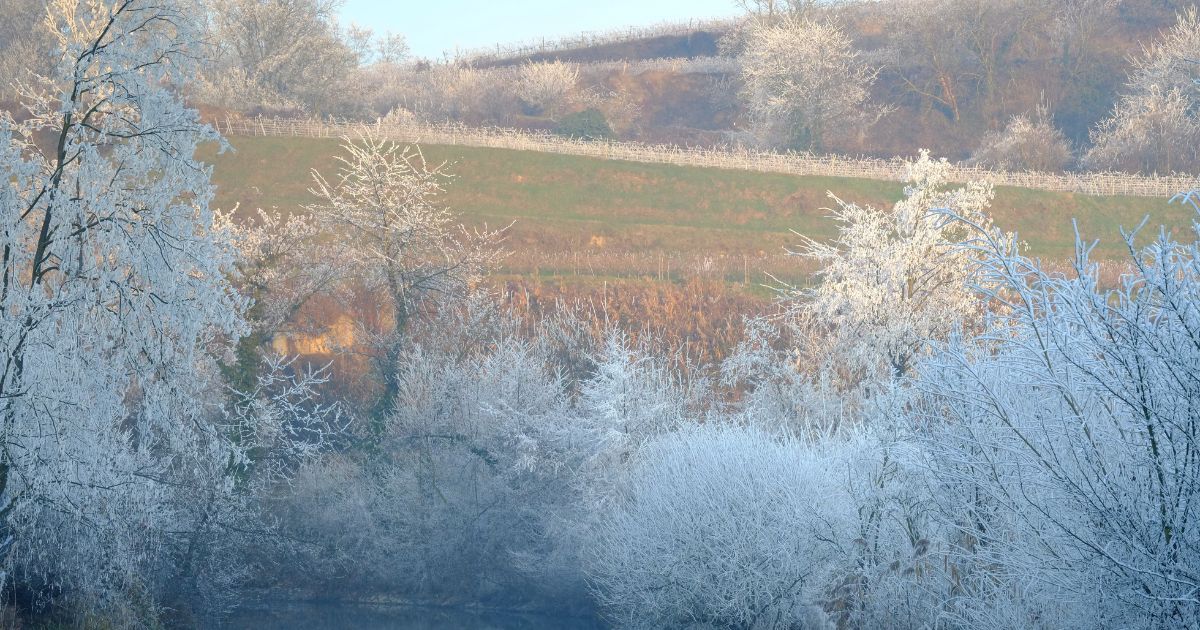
{"x":1026,"y":144}
{"x":722,"y":526}
{"x":893,"y":279}
{"x":464,"y":476}
{"x":545,"y":87}
{"x":1064,"y":441}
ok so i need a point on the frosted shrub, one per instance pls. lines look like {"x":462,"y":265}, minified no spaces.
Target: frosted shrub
{"x":469,"y":468}
{"x":778,"y":395}
{"x":722,"y":526}
{"x":632,"y":397}
{"x":1026,"y":144}
{"x":1064,"y":444}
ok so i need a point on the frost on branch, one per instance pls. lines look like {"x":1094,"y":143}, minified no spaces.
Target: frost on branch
{"x":281,"y":424}
{"x":282,"y":263}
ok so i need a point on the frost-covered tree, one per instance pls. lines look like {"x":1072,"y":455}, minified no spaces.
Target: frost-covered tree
{"x":24,"y":44}
{"x":292,"y":49}
{"x":1026,"y":144}
{"x":1155,"y":126}
{"x":113,"y":284}
{"x":1064,"y":442}
{"x":545,"y":87}
{"x":892,"y":279}
{"x":118,"y":470}
{"x":804,"y":83}
{"x":384,"y":211}
{"x":108,"y":232}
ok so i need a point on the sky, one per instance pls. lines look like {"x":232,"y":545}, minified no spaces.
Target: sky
{"x":436,"y":26}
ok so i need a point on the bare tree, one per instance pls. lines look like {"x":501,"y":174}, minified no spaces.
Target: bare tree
{"x":933,"y":59}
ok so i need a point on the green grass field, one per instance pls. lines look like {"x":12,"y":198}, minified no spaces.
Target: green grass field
{"x":631,"y":219}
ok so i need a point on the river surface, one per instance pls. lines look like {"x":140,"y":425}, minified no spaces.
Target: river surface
{"x":336,"y":616}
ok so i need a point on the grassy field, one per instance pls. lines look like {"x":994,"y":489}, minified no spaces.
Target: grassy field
{"x":581,"y":216}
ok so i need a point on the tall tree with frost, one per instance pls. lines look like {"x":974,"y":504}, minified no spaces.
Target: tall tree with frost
{"x":384,"y":211}
{"x":112,"y":283}
{"x":115,"y":308}
{"x":804,"y":83}
{"x":289,"y":48}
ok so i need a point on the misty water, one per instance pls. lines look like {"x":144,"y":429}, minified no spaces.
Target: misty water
{"x":340,"y":616}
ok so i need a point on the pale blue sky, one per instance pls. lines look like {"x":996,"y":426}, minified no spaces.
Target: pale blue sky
{"x":435,"y":26}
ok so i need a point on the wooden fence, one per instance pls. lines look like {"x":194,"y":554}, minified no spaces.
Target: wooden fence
{"x":1100,"y":184}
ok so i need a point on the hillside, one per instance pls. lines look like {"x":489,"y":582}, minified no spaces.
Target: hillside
{"x":949,"y":71}
{"x":578,"y":216}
